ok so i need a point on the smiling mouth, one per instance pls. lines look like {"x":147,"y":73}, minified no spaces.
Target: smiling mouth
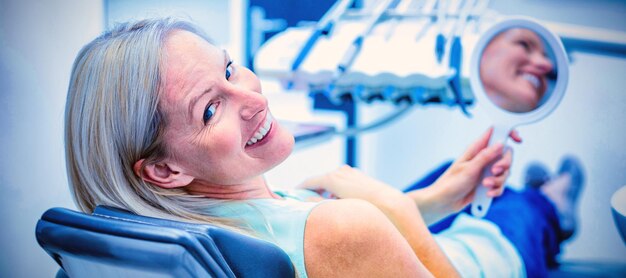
{"x":263,"y":130}
{"x":533,"y":80}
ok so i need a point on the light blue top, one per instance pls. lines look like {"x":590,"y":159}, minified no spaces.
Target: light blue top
{"x":475,"y":246}
{"x":280,"y":221}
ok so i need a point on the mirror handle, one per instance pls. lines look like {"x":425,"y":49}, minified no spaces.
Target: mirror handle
{"x":482,"y":202}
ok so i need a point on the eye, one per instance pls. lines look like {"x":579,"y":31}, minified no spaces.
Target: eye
{"x":525,"y":45}
{"x":229,"y":69}
{"x":209,"y":111}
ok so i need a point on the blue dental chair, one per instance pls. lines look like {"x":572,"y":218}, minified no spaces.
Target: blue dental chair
{"x":117,"y":243}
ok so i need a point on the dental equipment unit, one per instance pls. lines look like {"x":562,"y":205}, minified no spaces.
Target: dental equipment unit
{"x":404,"y":52}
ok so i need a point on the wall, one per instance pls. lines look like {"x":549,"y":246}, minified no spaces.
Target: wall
{"x":221,"y":20}
{"x":38,"y":43}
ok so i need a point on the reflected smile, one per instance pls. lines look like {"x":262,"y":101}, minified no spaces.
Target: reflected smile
{"x":262,"y":131}
{"x":532,"y":79}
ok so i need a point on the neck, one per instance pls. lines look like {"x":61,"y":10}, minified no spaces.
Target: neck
{"x":254,"y":189}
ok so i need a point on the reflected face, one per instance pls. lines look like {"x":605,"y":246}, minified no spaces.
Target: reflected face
{"x":514,"y":69}
{"x":218,"y":125}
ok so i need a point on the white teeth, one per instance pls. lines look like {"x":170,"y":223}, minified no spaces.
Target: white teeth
{"x":263,"y":130}
{"x":532,"y":79}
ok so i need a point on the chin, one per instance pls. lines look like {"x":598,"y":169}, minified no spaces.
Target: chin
{"x":284,"y":149}
{"x":287,"y":148}
{"x":527,"y":100}
{"x":525,"y":106}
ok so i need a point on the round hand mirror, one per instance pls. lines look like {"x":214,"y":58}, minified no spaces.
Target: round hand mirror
{"x":519,"y":74}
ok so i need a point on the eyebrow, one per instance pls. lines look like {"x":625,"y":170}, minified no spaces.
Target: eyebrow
{"x":194,"y":100}
{"x":536,"y":42}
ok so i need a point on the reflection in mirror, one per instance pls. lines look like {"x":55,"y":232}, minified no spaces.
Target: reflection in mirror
{"x":514,"y":77}
{"x":517,"y":70}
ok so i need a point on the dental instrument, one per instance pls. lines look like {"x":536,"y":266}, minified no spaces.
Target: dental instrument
{"x":479,"y":8}
{"x":440,"y":42}
{"x":357,"y":43}
{"x":456,"y":54}
{"x":426,"y":9}
{"x":323,"y":28}
{"x":401,"y":8}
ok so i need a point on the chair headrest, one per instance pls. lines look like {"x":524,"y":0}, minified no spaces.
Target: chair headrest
{"x":81,"y":243}
{"x":244,"y":254}
{"x":122,"y":214}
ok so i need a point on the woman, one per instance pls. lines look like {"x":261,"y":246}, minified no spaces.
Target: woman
{"x":514,"y":70}
{"x":161,"y":122}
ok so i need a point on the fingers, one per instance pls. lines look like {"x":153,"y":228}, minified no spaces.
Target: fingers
{"x":318,"y":185}
{"x":485,"y":156}
{"x":477,"y":146}
{"x":495,"y":184}
{"x":495,"y":192}
{"x":321,"y":182}
{"x":499,"y":170}
{"x":515,"y":136}
{"x":313,"y":183}
{"x":504,"y":163}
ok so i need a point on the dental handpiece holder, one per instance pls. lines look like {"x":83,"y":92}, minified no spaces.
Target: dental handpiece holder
{"x":390,"y":61}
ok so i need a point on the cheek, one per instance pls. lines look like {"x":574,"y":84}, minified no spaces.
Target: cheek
{"x":215,"y":162}
{"x":503,"y":61}
{"x":505,"y":58}
{"x":219,"y":143}
{"x":495,"y":64}
{"x":492,"y":73}
{"x":200,"y":151}
{"x":515,"y":57}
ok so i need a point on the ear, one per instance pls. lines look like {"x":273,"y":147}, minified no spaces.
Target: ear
{"x":162,"y":174}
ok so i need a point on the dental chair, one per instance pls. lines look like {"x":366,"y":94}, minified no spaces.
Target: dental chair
{"x":116,"y":243}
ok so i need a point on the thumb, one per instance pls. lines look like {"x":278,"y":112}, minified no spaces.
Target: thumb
{"x":486,"y":156}
{"x":477,"y":146}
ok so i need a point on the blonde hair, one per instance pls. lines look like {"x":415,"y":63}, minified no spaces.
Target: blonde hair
{"x":112,"y":120}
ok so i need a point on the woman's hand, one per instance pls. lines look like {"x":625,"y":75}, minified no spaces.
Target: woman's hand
{"x":348,"y":182}
{"x":455,"y":188}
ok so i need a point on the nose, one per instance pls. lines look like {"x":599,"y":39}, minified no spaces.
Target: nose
{"x":542,"y":63}
{"x":246,"y":92}
{"x":252,"y":104}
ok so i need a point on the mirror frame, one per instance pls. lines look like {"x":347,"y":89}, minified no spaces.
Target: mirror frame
{"x":500,"y":115}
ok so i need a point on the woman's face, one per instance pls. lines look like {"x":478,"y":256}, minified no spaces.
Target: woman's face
{"x":513,"y":70}
{"x":219,"y":128}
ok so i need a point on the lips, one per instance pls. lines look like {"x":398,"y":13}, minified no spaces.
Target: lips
{"x":262,"y":131}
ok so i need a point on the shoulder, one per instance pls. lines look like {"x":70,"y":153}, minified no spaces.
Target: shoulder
{"x":351,"y":238}
{"x":339,"y":219}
